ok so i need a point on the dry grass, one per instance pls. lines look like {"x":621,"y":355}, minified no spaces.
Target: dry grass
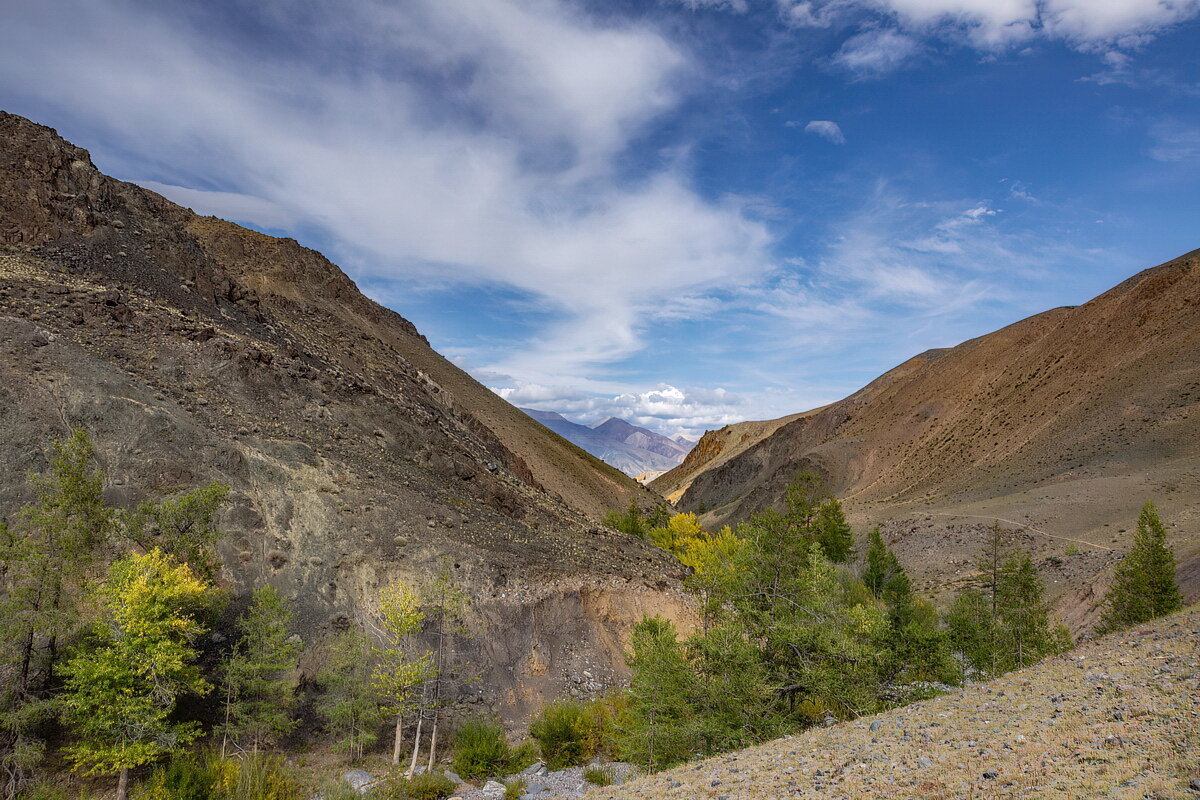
{"x":1118,"y":718}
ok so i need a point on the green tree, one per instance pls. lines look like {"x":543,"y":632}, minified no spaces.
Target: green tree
{"x":184,"y":526}
{"x":1143,"y":586}
{"x":120,"y":695}
{"x":661,"y":728}
{"x":398,"y":671}
{"x":833,"y":532}
{"x":53,"y":547}
{"x":349,"y":706}
{"x":731,"y":699}
{"x":1007,"y":626}
{"x":259,"y":682}
{"x":630,"y":521}
{"x":444,"y":606}
{"x":882,"y":569}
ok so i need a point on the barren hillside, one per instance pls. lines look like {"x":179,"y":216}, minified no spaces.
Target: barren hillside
{"x":1060,"y":425}
{"x":195,"y":350}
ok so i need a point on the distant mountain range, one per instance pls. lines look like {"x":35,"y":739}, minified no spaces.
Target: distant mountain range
{"x":627,"y":447}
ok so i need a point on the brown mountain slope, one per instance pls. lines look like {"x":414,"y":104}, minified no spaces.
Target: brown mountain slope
{"x":1061,"y":424}
{"x":714,"y":449}
{"x":195,"y":350}
{"x":1115,"y":719}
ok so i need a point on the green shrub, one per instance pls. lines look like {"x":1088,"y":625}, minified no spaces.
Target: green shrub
{"x":185,"y":777}
{"x":514,"y":789}
{"x":49,"y":791}
{"x":263,"y":776}
{"x":427,"y":786}
{"x":338,"y":789}
{"x":562,"y":732}
{"x":597,"y":776}
{"x":480,"y":749}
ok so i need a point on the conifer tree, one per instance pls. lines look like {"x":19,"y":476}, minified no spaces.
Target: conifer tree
{"x":833,"y":532}
{"x":259,"y":682}
{"x":1143,"y":586}
{"x":184,"y":526}
{"x":120,"y":695}
{"x":882,"y":567}
{"x":1025,"y":632}
{"x":660,"y":730}
{"x":349,"y":706}
{"x":46,"y":556}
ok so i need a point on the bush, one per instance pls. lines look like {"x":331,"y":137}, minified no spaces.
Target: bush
{"x":427,"y":786}
{"x":480,"y":749}
{"x":562,"y":731}
{"x":209,"y":777}
{"x":597,"y":776}
{"x":514,"y":789}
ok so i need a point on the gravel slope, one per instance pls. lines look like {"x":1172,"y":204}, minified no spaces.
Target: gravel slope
{"x":1116,"y":718}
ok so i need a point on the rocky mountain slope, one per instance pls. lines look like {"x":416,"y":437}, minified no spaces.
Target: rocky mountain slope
{"x":1060,"y":426}
{"x":196,"y":350}
{"x":629,"y":448}
{"x":1115,"y":719}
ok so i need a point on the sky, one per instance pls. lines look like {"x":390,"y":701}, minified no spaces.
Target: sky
{"x":681,"y":212}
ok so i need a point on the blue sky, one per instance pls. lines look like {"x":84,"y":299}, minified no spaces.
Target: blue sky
{"x":683,"y":212}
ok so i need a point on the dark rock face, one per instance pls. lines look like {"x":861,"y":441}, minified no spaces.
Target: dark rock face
{"x":194,"y":350}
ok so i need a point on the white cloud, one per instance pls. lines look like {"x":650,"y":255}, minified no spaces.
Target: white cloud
{"x":826,"y":130}
{"x":481,"y":146}
{"x":876,"y":52}
{"x":989,"y":24}
{"x":229,"y":205}
{"x":1175,"y":142}
{"x":664,"y":408}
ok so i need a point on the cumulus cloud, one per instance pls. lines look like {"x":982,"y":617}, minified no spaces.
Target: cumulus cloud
{"x":1090,"y":25}
{"x":476,"y":143}
{"x":826,"y":130}
{"x":665,"y":408}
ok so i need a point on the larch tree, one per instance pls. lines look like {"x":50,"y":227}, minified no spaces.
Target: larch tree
{"x":259,"y":681}
{"x":398,"y":670}
{"x":349,"y":706}
{"x":53,"y":546}
{"x":120,"y":695}
{"x":1144,"y":585}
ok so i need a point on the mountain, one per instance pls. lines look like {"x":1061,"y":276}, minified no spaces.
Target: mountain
{"x":1060,"y":425}
{"x":629,"y":448}
{"x":194,"y":350}
{"x":1114,"y":718}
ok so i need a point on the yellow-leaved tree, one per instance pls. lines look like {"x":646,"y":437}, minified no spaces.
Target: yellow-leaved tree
{"x":120,"y":695}
{"x":399,"y":668}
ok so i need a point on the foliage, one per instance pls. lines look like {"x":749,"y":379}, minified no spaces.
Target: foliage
{"x":514,"y":789}
{"x":1007,"y":625}
{"x":348,"y":705}
{"x":628,"y":521}
{"x":597,"y":776}
{"x":119,"y":695}
{"x":45,"y":558}
{"x":426,"y":786}
{"x":259,"y":685}
{"x":561,"y":732}
{"x":1143,"y":586}
{"x":661,"y":727}
{"x":398,"y":672}
{"x":480,"y":749}
{"x":183,"y":527}
{"x":260,"y":776}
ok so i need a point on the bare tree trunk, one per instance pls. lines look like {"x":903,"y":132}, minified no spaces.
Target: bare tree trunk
{"x":123,"y":785}
{"x":412,"y":767}
{"x":398,"y":740}
{"x":433,"y":739}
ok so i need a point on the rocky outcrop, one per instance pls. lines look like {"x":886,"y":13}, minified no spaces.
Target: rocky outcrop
{"x":194,"y":350}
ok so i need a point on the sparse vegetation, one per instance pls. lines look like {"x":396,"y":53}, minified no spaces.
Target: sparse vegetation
{"x":514,"y":789}
{"x":598,"y":776}
{"x":481,"y":751}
